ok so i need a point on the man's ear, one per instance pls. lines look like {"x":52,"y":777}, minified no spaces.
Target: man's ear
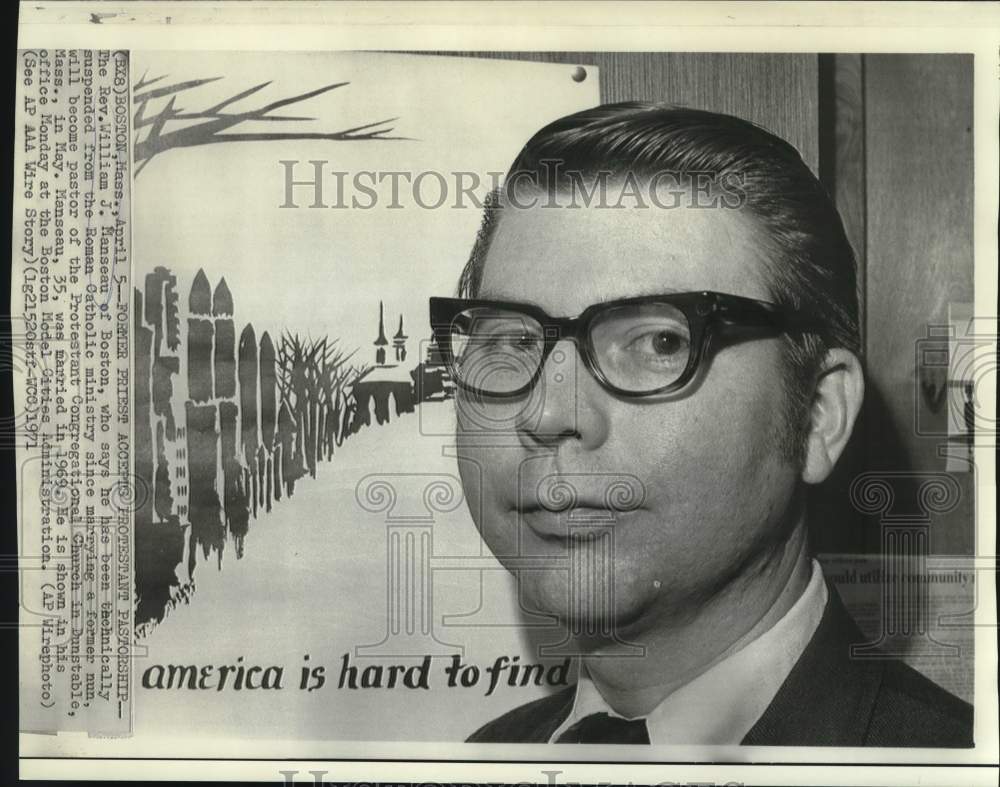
{"x":836,"y":402}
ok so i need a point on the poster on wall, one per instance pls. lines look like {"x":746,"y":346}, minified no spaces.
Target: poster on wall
{"x":300,"y":529}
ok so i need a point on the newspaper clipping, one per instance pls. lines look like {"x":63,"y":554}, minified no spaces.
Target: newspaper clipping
{"x":388,"y":406}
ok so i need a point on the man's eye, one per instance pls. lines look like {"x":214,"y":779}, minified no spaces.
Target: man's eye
{"x":660,"y":345}
{"x":524,"y":341}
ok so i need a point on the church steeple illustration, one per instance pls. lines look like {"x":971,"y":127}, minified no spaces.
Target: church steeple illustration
{"x":381,"y":342}
{"x":399,"y":342}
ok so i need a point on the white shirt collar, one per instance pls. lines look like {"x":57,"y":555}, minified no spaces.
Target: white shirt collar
{"x":722,"y":704}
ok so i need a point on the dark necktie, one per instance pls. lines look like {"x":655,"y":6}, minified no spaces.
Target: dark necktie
{"x":602,"y":728}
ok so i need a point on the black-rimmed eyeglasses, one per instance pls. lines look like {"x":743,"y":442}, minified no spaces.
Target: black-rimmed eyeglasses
{"x":634,"y":347}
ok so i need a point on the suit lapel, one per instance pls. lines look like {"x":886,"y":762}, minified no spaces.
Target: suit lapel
{"x":828,"y":698}
{"x":549,"y":722}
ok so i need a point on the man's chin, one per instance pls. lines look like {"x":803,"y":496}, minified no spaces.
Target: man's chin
{"x":593,"y":612}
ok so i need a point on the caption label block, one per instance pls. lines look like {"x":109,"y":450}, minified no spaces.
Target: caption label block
{"x":70,"y":307}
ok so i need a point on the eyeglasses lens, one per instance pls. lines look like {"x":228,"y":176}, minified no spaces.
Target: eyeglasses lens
{"x":495,"y":350}
{"x":642,"y":347}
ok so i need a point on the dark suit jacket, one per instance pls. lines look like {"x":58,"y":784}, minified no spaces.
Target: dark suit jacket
{"x":828,"y":699}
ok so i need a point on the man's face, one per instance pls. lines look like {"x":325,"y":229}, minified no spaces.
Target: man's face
{"x":716,"y":488}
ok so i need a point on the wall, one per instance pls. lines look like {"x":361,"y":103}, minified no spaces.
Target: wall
{"x":898,"y":159}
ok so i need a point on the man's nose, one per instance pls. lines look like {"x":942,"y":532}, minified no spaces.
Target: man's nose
{"x":567,"y":403}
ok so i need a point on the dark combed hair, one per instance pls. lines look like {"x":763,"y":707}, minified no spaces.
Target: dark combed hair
{"x":808,"y":260}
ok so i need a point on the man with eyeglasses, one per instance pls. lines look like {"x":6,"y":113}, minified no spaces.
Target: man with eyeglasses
{"x":655,"y":353}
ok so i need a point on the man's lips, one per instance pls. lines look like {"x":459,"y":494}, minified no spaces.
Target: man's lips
{"x":576,"y":511}
{"x":580,"y":522}
{"x":578,"y":495}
